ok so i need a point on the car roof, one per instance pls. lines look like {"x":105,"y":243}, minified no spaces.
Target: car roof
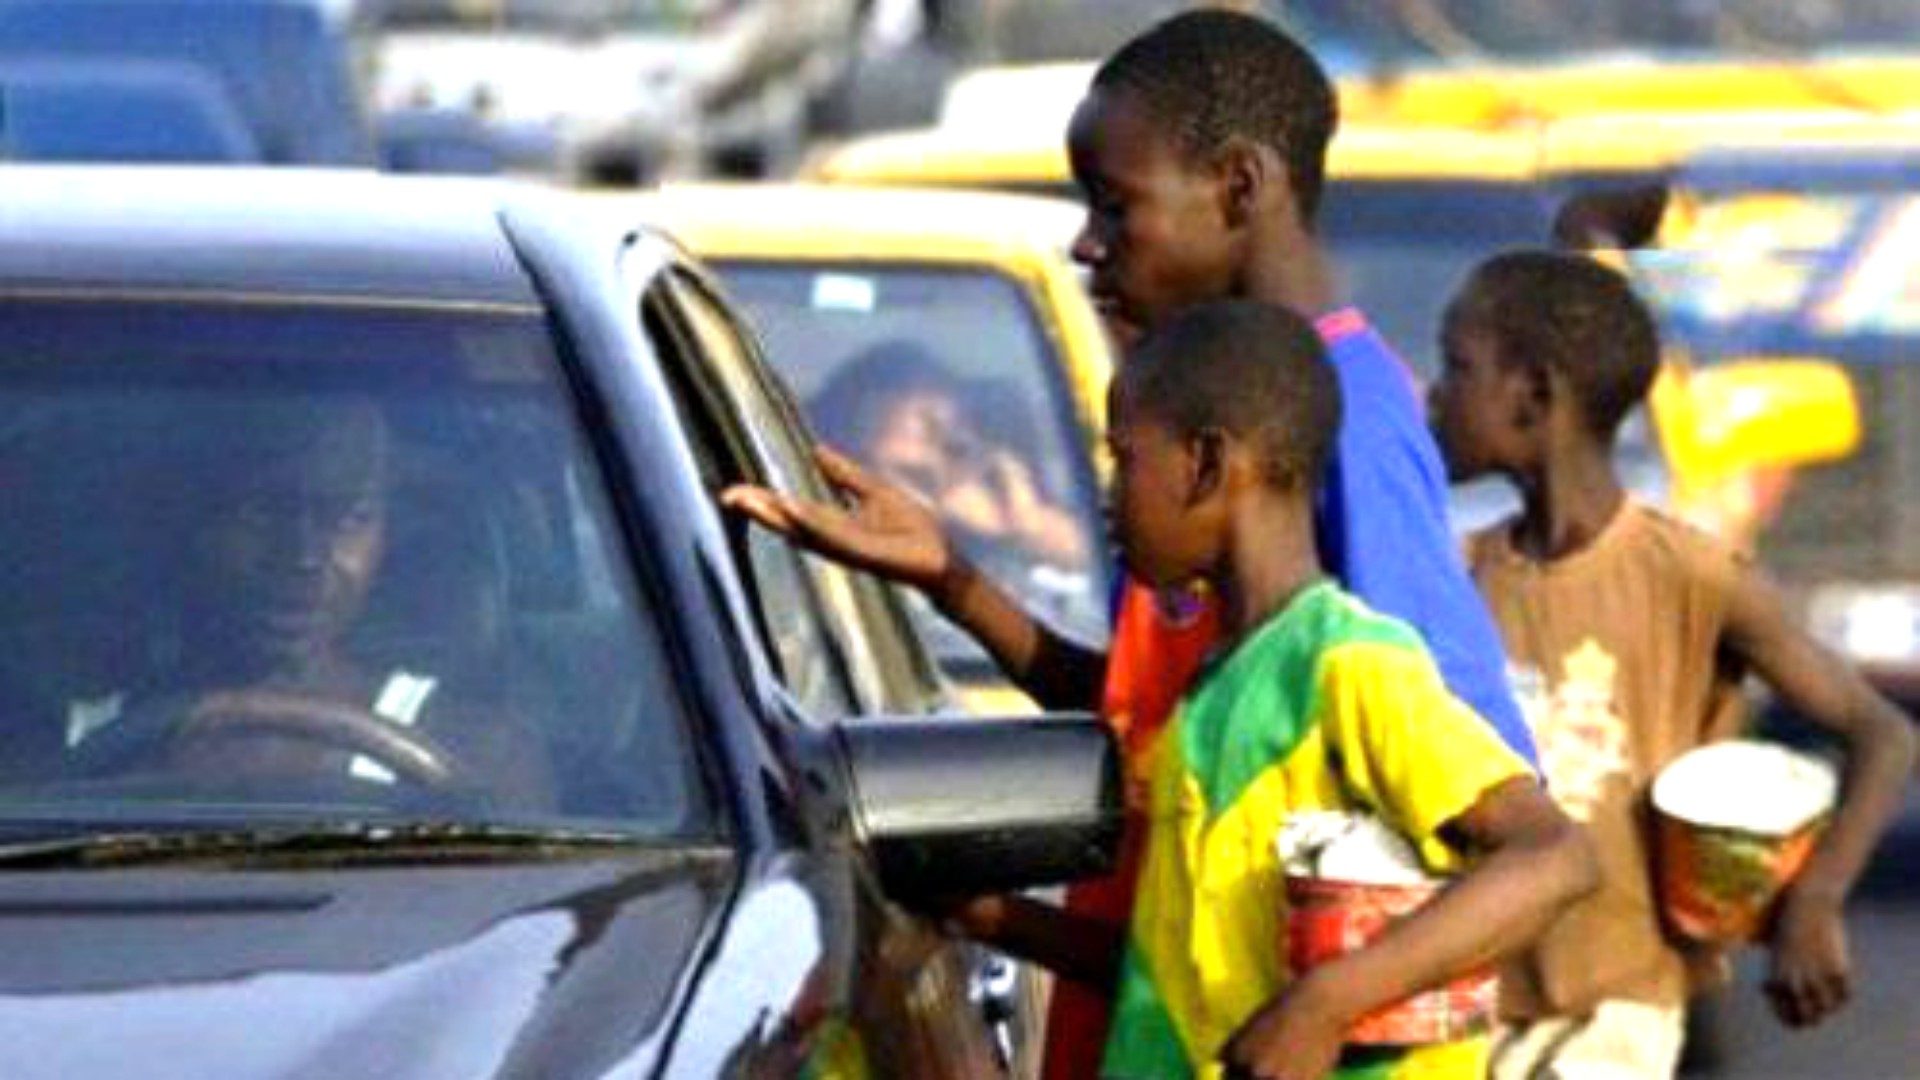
{"x":872,"y":223}
{"x":258,"y":231}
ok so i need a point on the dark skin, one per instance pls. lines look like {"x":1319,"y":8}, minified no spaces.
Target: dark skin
{"x":285,"y":556}
{"x":1524,"y":422}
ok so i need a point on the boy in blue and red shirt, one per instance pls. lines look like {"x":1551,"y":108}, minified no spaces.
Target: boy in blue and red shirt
{"x":1200,"y":149}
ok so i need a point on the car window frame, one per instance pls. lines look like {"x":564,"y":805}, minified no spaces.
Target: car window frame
{"x":890,"y":668}
{"x":714,"y":418}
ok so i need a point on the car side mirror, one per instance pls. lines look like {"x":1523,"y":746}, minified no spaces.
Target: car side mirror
{"x":968,"y":805}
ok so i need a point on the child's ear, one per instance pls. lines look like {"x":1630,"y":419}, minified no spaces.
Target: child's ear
{"x":1248,"y":174}
{"x":1207,"y":453}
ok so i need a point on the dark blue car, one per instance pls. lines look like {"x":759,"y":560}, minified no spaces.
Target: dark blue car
{"x":382,"y":694}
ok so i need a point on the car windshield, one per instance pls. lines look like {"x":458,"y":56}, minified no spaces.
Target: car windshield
{"x":272,"y":564}
{"x":573,"y":16}
{"x":942,"y":379}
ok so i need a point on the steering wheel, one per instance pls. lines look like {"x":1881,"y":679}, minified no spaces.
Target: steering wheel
{"x":402,"y":750}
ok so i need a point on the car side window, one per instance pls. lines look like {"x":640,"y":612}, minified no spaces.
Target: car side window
{"x":732,"y":445}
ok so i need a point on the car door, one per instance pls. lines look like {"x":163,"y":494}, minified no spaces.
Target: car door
{"x":838,"y":648}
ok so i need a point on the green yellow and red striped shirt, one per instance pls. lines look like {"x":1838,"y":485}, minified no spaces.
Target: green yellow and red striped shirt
{"x":1327,"y":706}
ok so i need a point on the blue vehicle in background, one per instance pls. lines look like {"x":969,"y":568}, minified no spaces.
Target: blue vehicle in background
{"x":271,"y":81}
{"x":119,"y":111}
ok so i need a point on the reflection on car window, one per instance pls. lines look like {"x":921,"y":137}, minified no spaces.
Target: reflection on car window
{"x":807,"y":659}
{"x":941,"y":380}
{"x":267,"y":562}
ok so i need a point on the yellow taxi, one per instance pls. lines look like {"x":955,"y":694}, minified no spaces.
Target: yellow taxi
{"x":943,"y":338}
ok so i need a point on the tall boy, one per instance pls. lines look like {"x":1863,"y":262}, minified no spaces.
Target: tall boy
{"x":1200,"y":149}
{"x":1220,"y":426}
{"x":1633,"y":631}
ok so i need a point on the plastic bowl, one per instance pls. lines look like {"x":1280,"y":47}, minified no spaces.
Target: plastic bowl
{"x":1733,"y":823}
{"x":1328,"y":919}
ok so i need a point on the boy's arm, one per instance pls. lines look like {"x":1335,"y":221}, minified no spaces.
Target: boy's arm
{"x":887,"y":531}
{"x":1810,"y":976}
{"x":1536,"y":862}
{"x":1076,"y":947}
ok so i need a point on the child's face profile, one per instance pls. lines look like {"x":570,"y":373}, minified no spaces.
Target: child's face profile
{"x":1473,"y":405}
{"x":1156,"y":237}
{"x":1150,"y":496}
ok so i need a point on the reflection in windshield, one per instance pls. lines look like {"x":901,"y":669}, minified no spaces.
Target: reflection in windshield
{"x":941,"y":380}
{"x":278,"y":564}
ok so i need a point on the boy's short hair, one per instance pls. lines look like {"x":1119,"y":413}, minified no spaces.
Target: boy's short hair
{"x":1255,"y":371}
{"x":1211,"y":75}
{"x":1571,"y":315}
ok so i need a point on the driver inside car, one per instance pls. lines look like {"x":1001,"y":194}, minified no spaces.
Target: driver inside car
{"x":285,"y":541}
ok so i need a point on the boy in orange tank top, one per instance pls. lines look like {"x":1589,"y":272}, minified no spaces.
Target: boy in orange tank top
{"x":1628,"y":633}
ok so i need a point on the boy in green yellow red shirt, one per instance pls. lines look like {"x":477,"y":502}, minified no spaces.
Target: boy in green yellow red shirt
{"x":1220,"y":424}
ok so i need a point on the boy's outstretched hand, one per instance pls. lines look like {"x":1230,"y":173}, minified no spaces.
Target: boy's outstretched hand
{"x":886,"y":529}
{"x":1812,"y":975}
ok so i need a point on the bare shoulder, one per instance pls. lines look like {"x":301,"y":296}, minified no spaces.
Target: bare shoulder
{"x":1691,"y":550}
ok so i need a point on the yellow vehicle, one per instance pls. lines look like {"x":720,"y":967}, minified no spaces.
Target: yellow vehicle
{"x":1503,"y":95}
{"x":1005,"y":123}
{"x":944,"y":338}
{"x":1033,"y":157}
